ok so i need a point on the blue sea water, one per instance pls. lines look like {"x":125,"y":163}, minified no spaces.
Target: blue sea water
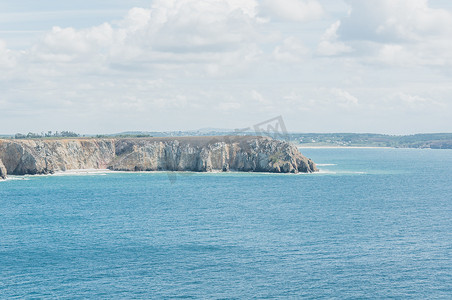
{"x":374,"y":223}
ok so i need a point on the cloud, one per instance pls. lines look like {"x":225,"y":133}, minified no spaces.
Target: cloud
{"x":255,"y":95}
{"x":199,"y":26}
{"x":68,"y":44}
{"x":321,"y":100}
{"x":414,"y":102}
{"x":394,"y":20}
{"x":344,"y":98}
{"x":435,"y":52}
{"x":330,"y":45}
{"x":403,"y":33}
{"x":136,"y":19}
{"x":104,"y":69}
{"x":168,"y":31}
{"x":292,"y":50}
{"x":7,"y":59}
{"x":292,"y":10}
{"x":190,"y":61}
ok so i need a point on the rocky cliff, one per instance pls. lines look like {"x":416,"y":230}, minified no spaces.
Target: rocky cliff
{"x":200,"y":154}
{"x":2,"y":170}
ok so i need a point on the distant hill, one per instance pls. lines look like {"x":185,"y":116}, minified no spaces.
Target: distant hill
{"x":430,"y":140}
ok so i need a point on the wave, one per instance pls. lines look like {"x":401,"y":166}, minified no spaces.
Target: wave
{"x":329,"y":172}
{"x":13,"y":177}
{"x":81,"y":172}
{"x":325,"y":165}
{"x":106,"y":172}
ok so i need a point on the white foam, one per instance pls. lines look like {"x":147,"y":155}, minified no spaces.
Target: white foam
{"x":105,"y":172}
{"x":344,"y":147}
{"x":83,"y":172}
{"x":325,"y":172}
{"x":13,"y":177}
{"x":325,"y":165}
{"x":339,"y":172}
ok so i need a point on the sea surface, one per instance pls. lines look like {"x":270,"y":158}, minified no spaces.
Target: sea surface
{"x":374,"y":223}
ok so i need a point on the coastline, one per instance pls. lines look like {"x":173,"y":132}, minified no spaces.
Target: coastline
{"x":345,"y":147}
{"x":104,"y":172}
{"x":81,"y":172}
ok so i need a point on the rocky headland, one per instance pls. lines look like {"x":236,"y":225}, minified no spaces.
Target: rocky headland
{"x":198,"y":154}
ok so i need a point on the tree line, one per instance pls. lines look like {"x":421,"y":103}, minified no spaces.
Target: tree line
{"x":48,"y":134}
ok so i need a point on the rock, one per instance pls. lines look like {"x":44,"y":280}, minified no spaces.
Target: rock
{"x":225,"y":167}
{"x":204,"y":154}
{"x":22,"y":157}
{"x":3,"y":172}
{"x":199,"y":154}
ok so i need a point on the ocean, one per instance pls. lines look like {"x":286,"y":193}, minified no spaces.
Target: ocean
{"x":373,"y":223}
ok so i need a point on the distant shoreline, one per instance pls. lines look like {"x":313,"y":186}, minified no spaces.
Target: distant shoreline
{"x":305,"y":140}
{"x":365,"y":147}
{"x":346,"y":147}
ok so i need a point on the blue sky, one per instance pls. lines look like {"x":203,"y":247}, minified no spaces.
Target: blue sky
{"x":325,"y":66}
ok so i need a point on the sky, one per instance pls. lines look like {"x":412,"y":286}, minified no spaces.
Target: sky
{"x":98,"y":66}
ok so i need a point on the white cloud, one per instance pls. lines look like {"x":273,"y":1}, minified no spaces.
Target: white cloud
{"x":394,"y":54}
{"x":402,"y":33}
{"x":321,"y":100}
{"x":344,"y":98}
{"x":434,"y":52}
{"x":169,"y":31}
{"x":136,"y":19}
{"x":292,"y":10}
{"x":413,"y":19}
{"x":414,"y":102}
{"x":67,"y":44}
{"x":329,"y":45}
{"x":200,"y":26}
{"x":258,"y":97}
{"x":395,"y":20}
{"x":7,"y":59}
{"x":292,"y":50}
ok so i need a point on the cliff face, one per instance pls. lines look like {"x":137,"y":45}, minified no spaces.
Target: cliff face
{"x":22,"y":157}
{"x":200,"y":154}
{"x":2,"y":170}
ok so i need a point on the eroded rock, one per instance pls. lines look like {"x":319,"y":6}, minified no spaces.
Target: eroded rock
{"x":199,"y":154}
{"x":3,"y":172}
